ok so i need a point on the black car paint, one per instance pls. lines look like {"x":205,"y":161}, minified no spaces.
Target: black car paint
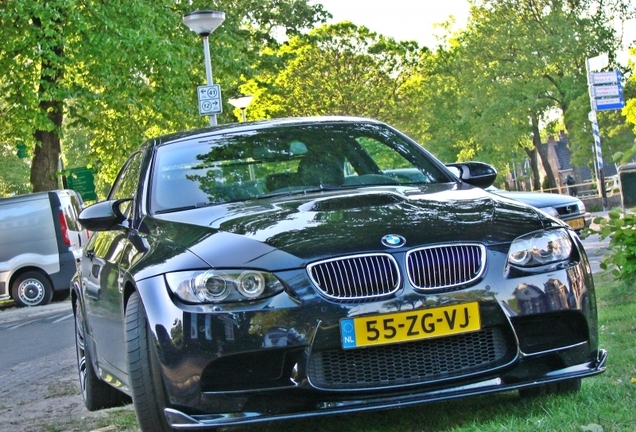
{"x":220,"y":358}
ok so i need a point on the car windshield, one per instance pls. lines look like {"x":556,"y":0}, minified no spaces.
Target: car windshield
{"x":293,"y":159}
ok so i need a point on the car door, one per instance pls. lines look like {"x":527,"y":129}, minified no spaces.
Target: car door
{"x":102,"y":279}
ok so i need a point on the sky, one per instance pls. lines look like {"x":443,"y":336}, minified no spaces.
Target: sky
{"x":400,"y":19}
{"x":413,"y":19}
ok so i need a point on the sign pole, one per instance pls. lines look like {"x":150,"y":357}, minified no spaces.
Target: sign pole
{"x":600,"y":176}
{"x":597,"y":63}
{"x":208,"y":71}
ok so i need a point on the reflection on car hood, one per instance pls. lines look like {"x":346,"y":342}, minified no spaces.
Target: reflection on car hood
{"x":290,"y":231}
{"x":539,"y":199}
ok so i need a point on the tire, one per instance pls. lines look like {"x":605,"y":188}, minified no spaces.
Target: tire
{"x":562,"y":387}
{"x":96,"y":393}
{"x":61,"y":295}
{"x":31,"y":288}
{"x":143,"y":370}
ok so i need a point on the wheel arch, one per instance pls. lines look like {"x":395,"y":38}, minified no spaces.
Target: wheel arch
{"x":20,"y":271}
{"x":129,"y":289}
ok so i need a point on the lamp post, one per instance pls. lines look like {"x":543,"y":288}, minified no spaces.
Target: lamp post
{"x":241,"y":103}
{"x":204,"y":23}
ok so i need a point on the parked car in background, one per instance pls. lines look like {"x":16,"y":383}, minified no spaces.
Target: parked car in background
{"x":40,"y":244}
{"x":299,"y":267}
{"x":565,"y":207}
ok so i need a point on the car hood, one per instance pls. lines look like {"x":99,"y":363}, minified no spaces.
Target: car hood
{"x":539,"y":199}
{"x":289,"y":232}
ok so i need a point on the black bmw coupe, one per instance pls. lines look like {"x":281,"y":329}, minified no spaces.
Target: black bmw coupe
{"x":299,"y":267}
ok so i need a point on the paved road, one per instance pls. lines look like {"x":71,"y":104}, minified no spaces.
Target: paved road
{"x":595,"y":247}
{"x":28,"y":334}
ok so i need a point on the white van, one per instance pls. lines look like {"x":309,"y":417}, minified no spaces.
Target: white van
{"x":40,"y":243}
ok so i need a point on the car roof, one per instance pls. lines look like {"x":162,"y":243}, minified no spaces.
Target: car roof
{"x":258,"y":125}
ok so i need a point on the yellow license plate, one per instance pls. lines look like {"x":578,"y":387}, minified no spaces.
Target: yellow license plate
{"x":409,"y":326}
{"x":577,"y":223}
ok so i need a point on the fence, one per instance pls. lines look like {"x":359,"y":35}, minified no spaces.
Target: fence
{"x":587,"y":189}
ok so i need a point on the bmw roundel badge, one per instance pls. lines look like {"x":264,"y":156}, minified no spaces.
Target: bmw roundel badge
{"x":393,"y":240}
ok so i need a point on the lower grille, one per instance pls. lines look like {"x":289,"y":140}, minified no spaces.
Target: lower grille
{"x":407,"y":363}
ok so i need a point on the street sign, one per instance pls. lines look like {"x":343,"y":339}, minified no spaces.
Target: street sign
{"x":610,"y":90}
{"x":591,"y":116}
{"x":605,"y":77}
{"x":82,"y":180}
{"x":22,"y":151}
{"x":209,"y":99}
{"x":598,"y":62}
{"x":609,"y":104}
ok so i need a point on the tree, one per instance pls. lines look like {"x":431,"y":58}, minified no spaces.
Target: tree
{"x":15,"y":172}
{"x":337,"y":69}
{"x":517,"y":62}
{"x":628,"y":148}
{"x":120,"y":73}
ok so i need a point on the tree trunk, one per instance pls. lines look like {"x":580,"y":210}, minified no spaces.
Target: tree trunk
{"x":46,"y":155}
{"x":543,"y":154}
{"x":44,"y":165}
{"x":536,"y":176}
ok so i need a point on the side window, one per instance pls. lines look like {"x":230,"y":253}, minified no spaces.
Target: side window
{"x":126,"y":184}
{"x":385,"y":157}
{"x":401,"y":164}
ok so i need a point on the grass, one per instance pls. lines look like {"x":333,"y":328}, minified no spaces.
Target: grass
{"x":606,"y":402}
{"x":61,"y":389}
{"x":123,"y":419}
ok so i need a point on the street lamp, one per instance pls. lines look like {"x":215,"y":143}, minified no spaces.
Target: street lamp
{"x":241,"y":103}
{"x":204,"y":23}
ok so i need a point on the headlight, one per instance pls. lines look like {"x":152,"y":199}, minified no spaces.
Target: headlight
{"x":540,"y":248}
{"x":551,"y":211}
{"x":581,"y":205}
{"x":214,"y":286}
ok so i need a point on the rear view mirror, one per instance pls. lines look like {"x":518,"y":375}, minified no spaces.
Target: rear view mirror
{"x":103,"y":216}
{"x":474,"y":173}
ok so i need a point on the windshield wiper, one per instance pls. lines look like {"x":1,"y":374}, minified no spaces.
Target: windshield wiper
{"x":301,"y":191}
{"x":188,"y":207}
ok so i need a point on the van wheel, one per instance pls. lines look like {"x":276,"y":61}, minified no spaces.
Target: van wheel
{"x":31,"y":289}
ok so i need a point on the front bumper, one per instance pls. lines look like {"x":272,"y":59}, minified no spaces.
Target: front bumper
{"x":179,"y":420}
{"x":234,"y":364}
{"x":580,"y":221}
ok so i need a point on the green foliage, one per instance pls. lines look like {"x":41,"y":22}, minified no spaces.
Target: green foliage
{"x":14,"y":172}
{"x":620,"y":227}
{"x":336,"y":69}
{"x":516,"y":63}
{"x":120,"y":73}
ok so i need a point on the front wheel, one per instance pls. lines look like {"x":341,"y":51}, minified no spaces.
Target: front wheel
{"x":96,"y":393}
{"x":143,"y":370}
{"x":31,"y":288}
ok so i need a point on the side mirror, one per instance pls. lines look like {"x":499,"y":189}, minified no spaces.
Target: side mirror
{"x":103,"y":216}
{"x":474,"y":173}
